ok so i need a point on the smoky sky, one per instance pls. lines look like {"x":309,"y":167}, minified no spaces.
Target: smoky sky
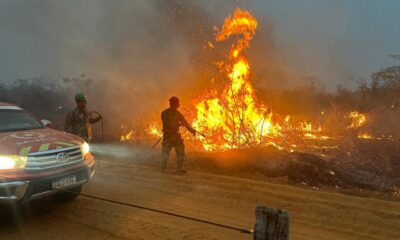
{"x":154,"y":46}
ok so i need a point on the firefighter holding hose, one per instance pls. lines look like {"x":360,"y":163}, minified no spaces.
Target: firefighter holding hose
{"x":172,"y":119}
{"x":79,"y":120}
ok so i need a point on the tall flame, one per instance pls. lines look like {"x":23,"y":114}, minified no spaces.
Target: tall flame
{"x":234,"y":118}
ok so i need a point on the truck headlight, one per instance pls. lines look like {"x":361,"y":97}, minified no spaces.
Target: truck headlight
{"x":12,"y":162}
{"x":85,"y":148}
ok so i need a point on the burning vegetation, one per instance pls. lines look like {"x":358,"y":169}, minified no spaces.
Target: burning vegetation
{"x":231,"y":116}
{"x":335,"y":145}
{"x":341,"y":138}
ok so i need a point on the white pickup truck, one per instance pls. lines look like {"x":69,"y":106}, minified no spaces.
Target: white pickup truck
{"x":36,"y":160}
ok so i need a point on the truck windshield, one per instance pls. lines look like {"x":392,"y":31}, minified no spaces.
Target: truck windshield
{"x":17,"y":120}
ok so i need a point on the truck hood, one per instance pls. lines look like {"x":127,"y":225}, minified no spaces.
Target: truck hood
{"x":24,"y":142}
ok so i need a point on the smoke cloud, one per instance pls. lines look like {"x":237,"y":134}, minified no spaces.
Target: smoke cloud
{"x":139,"y":53}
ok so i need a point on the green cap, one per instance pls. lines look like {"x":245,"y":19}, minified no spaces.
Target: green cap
{"x":80,"y":97}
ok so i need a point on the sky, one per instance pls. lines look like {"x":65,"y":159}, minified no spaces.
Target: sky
{"x":336,"y":38}
{"x":121,"y":39}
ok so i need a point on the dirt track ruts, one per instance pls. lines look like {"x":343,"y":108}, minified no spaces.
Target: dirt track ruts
{"x":222,"y":199}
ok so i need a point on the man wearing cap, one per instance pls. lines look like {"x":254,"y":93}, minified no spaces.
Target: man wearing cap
{"x":172,"y":119}
{"x":79,"y":121}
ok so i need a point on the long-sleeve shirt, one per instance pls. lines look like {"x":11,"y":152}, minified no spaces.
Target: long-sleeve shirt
{"x":172,"y":120}
{"x":78,"y":122}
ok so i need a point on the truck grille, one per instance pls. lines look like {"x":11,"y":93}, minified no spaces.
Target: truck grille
{"x":54,"y":158}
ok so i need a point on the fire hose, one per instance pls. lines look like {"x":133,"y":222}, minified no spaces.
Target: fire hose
{"x":148,"y":152}
{"x":159,"y":140}
{"x":171,"y":214}
{"x":241,"y":230}
{"x":154,"y":146}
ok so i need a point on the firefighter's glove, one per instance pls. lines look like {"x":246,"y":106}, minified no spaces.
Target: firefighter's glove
{"x":193,"y":132}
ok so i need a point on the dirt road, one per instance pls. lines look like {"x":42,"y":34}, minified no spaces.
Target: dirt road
{"x":227,"y":200}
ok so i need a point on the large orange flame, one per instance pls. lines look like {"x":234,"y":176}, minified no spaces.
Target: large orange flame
{"x":232,"y":117}
{"x":235,"y":119}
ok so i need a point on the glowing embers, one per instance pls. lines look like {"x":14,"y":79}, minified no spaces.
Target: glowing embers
{"x":357,"y":119}
{"x":154,"y":130}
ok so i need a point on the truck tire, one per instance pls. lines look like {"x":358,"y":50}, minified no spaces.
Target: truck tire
{"x":68,"y":196}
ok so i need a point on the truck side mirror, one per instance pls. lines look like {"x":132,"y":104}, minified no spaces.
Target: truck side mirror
{"x":46,"y":123}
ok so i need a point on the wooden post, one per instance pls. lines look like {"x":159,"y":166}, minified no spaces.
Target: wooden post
{"x":271,"y":224}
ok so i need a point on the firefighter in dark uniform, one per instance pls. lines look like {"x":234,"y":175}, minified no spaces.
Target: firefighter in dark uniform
{"x":79,"y":121}
{"x":172,"y":119}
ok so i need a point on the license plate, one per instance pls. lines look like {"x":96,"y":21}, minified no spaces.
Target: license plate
{"x":64,"y":182}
